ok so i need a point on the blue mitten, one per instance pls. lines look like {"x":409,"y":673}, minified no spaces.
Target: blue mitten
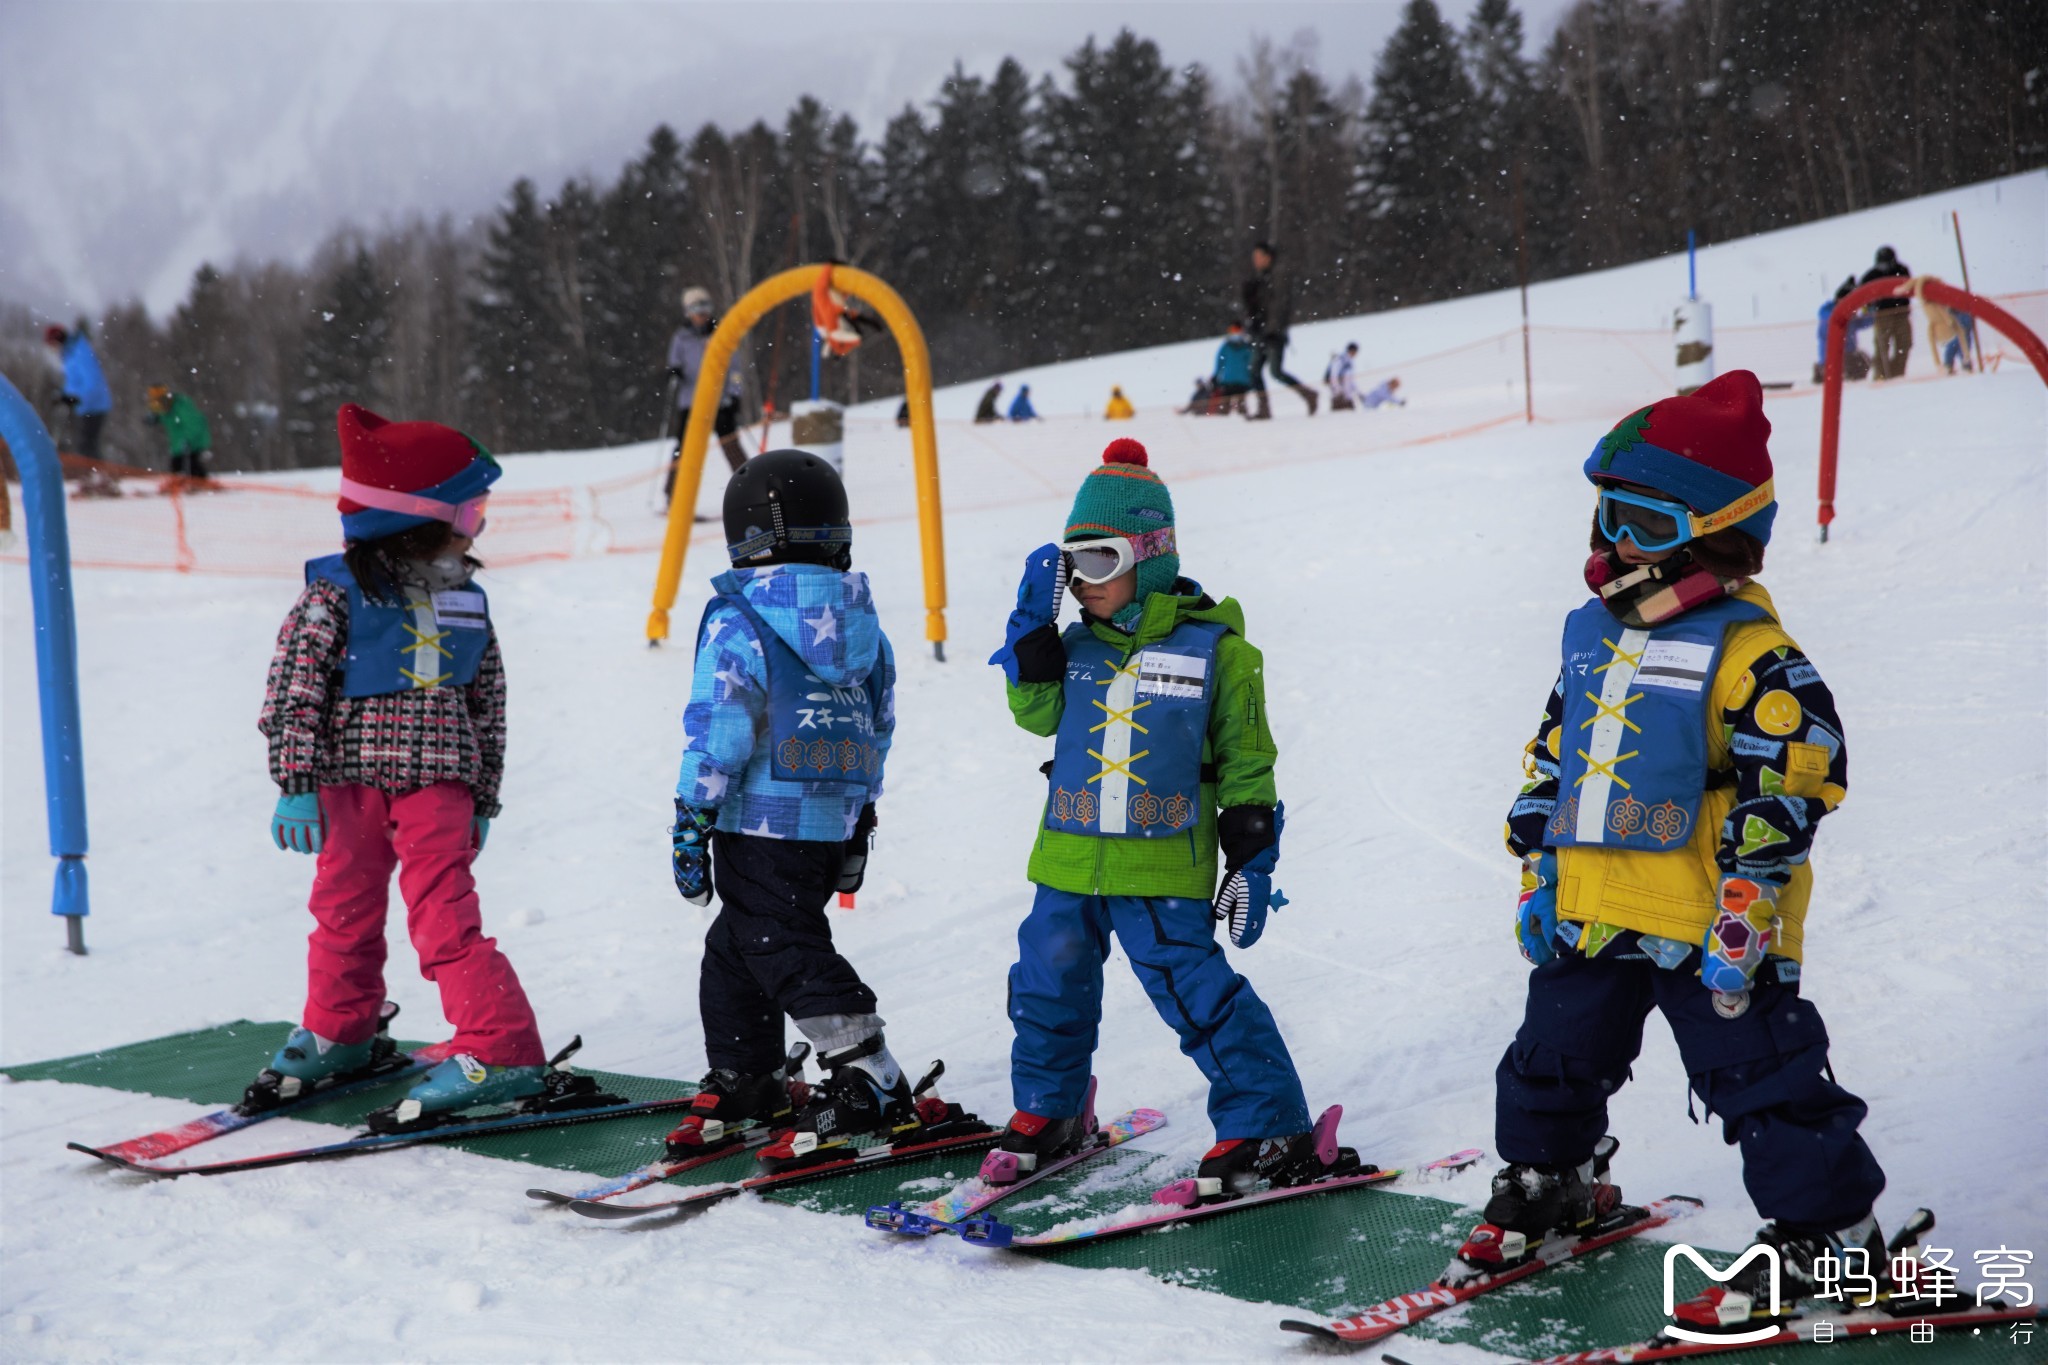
{"x":298,"y":826}
{"x":1038,"y":603}
{"x":1248,"y":896}
{"x":690,"y":855}
{"x":479,"y":831}
{"x":1536,"y":908}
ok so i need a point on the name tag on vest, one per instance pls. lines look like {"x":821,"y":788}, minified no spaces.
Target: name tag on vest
{"x":461,"y":610}
{"x":1161,"y":674}
{"x":1677,"y":664}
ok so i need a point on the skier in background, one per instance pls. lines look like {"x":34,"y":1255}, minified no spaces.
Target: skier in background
{"x":185,"y":429}
{"x":1893,"y":317}
{"x":1119,"y":409}
{"x":685,"y":362}
{"x":85,"y":389}
{"x":1340,"y":375}
{"x":1020,"y":406}
{"x":1269,"y":311}
{"x":1127,"y":840}
{"x":775,"y":808}
{"x":385,"y":712}
{"x":986,"y":411}
{"x":1687,"y":751}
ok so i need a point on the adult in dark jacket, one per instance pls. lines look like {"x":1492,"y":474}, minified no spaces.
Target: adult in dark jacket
{"x":1269,"y":312}
{"x":685,"y":362}
{"x":85,"y":389}
{"x":986,"y":410}
{"x":1894,"y":317}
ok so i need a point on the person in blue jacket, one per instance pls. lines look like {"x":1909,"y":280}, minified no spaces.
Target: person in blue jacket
{"x":1855,"y":364}
{"x":1231,"y":379}
{"x":85,"y":384}
{"x":1020,"y":406}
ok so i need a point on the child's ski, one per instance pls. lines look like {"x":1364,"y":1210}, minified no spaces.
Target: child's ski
{"x":654,"y":1172}
{"x":1404,"y":1311}
{"x":946,"y":1212}
{"x":205,"y":1128}
{"x":975,"y":1136}
{"x":988,"y":1232}
{"x":1808,"y":1326}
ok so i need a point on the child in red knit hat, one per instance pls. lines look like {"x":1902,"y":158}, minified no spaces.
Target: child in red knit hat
{"x":385,"y":712}
{"x":1687,"y":751}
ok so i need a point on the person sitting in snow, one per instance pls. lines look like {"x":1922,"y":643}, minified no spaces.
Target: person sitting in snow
{"x":1231,"y":378}
{"x":1386,"y":395}
{"x":1155,"y":703}
{"x":1020,"y":406}
{"x":986,"y":410}
{"x":1687,"y":752}
{"x":385,"y":712}
{"x":1119,"y":409}
{"x":775,"y":810}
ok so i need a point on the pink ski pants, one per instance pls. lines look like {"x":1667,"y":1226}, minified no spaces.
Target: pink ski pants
{"x":425,"y":834}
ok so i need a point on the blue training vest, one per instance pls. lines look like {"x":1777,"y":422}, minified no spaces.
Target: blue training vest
{"x":817,"y":732}
{"x":1634,"y":743}
{"x":1127,"y":759}
{"x":434,"y":639}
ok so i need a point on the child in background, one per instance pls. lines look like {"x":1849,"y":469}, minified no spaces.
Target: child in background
{"x":787,"y":731}
{"x":1687,"y":752}
{"x":1342,"y":378}
{"x":1387,"y":394}
{"x":1119,"y":409}
{"x":1156,"y":704}
{"x":185,"y":429}
{"x":1231,"y":379}
{"x":385,"y":712}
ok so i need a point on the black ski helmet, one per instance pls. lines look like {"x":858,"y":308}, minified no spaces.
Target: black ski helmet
{"x":787,"y":507}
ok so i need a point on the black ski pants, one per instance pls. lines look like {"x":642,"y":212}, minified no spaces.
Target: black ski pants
{"x":1764,"y":1074}
{"x":769,"y":953}
{"x":1272,"y":358}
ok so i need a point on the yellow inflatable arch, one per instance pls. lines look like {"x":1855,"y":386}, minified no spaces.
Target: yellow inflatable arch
{"x":924,"y":441}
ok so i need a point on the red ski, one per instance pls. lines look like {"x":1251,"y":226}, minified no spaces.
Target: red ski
{"x":1809,"y":1327}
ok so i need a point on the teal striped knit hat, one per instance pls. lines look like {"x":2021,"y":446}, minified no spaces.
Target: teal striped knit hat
{"x":1123,"y":497}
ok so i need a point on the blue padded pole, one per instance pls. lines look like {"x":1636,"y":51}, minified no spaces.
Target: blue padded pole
{"x":49,"y":567}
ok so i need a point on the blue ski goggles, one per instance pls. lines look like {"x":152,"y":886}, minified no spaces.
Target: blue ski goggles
{"x":1656,"y":524}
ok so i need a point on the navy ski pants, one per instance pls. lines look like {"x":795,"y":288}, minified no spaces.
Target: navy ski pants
{"x":1762,"y":1074}
{"x":1056,"y":1007}
{"x":769,"y":953}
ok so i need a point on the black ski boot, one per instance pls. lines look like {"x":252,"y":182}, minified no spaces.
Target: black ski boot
{"x":865,"y":1095}
{"x":1240,"y":1166}
{"x":1532,"y":1203}
{"x":730,"y":1103}
{"x":1860,"y":1271}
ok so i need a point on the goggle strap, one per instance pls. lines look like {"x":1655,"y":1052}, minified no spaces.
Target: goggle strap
{"x":409,"y":504}
{"x":1743,"y":508}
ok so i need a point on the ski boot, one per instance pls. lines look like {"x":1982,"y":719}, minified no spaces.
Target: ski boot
{"x":308,"y":1064}
{"x":730,"y":1104}
{"x":1033,"y":1141}
{"x":1533,"y":1203}
{"x":462,"y":1082}
{"x":1240,"y":1166}
{"x":1852,"y":1265}
{"x":865,"y":1097}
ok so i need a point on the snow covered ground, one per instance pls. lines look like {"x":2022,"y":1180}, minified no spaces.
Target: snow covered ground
{"x":1408,"y":599}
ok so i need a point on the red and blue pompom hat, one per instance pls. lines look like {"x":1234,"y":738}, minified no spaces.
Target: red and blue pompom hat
{"x":1709,"y":450}
{"x":424,"y":459}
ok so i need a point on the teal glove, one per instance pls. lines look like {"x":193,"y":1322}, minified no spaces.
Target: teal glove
{"x":298,"y":826}
{"x":479,"y":830}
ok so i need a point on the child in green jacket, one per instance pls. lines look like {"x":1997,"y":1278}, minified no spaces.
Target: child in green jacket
{"x":1156,"y":704}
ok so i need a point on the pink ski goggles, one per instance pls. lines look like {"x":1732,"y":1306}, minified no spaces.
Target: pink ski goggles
{"x":467,"y":517}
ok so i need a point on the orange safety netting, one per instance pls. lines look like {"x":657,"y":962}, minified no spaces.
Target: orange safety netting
{"x":121,"y":517}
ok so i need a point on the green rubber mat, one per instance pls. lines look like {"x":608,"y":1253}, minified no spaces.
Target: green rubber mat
{"x":211,"y":1067}
{"x":1330,"y":1255}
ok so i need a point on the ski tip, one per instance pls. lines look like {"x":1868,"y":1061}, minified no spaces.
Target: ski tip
{"x":1308,"y":1329}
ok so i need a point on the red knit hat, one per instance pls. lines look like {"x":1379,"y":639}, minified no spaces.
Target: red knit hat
{"x":405,"y":457}
{"x":1708,"y":449}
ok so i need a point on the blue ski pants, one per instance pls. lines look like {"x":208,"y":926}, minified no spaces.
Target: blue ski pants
{"x":1764,"y":1074}
{"x":1056,"y":1008}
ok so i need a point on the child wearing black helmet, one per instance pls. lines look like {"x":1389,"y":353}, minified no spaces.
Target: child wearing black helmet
{"x":785,"y":736}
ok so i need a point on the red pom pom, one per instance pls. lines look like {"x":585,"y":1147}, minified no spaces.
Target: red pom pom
{"x":1123,"y":450}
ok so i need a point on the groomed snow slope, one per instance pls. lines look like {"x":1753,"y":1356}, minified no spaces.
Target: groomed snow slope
{"x":1408,"y":600}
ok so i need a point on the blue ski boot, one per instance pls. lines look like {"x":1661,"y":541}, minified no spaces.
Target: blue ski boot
{"x":463,"y":1082}
{"x":308,"y":1064}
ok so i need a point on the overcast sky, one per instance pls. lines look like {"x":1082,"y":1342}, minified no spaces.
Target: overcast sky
{"x":139,"y":139}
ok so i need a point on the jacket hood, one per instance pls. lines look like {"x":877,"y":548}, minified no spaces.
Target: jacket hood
{"x":826,"y":617}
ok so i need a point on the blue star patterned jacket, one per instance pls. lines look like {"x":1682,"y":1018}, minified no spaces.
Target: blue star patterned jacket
{"x":828,"y":618}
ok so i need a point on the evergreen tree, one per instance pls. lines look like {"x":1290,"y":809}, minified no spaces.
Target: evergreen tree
{"x":343,"y":345}
{"x":1503,"y":102}
{"x":1416,"y":197}
{"x":510,"y":342}
{"x":635,"y":288}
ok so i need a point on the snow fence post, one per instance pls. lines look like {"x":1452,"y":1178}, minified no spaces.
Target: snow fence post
{"x":49,"y":569}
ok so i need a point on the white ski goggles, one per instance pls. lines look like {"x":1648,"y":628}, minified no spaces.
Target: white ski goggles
{"x":1111,"y":557}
